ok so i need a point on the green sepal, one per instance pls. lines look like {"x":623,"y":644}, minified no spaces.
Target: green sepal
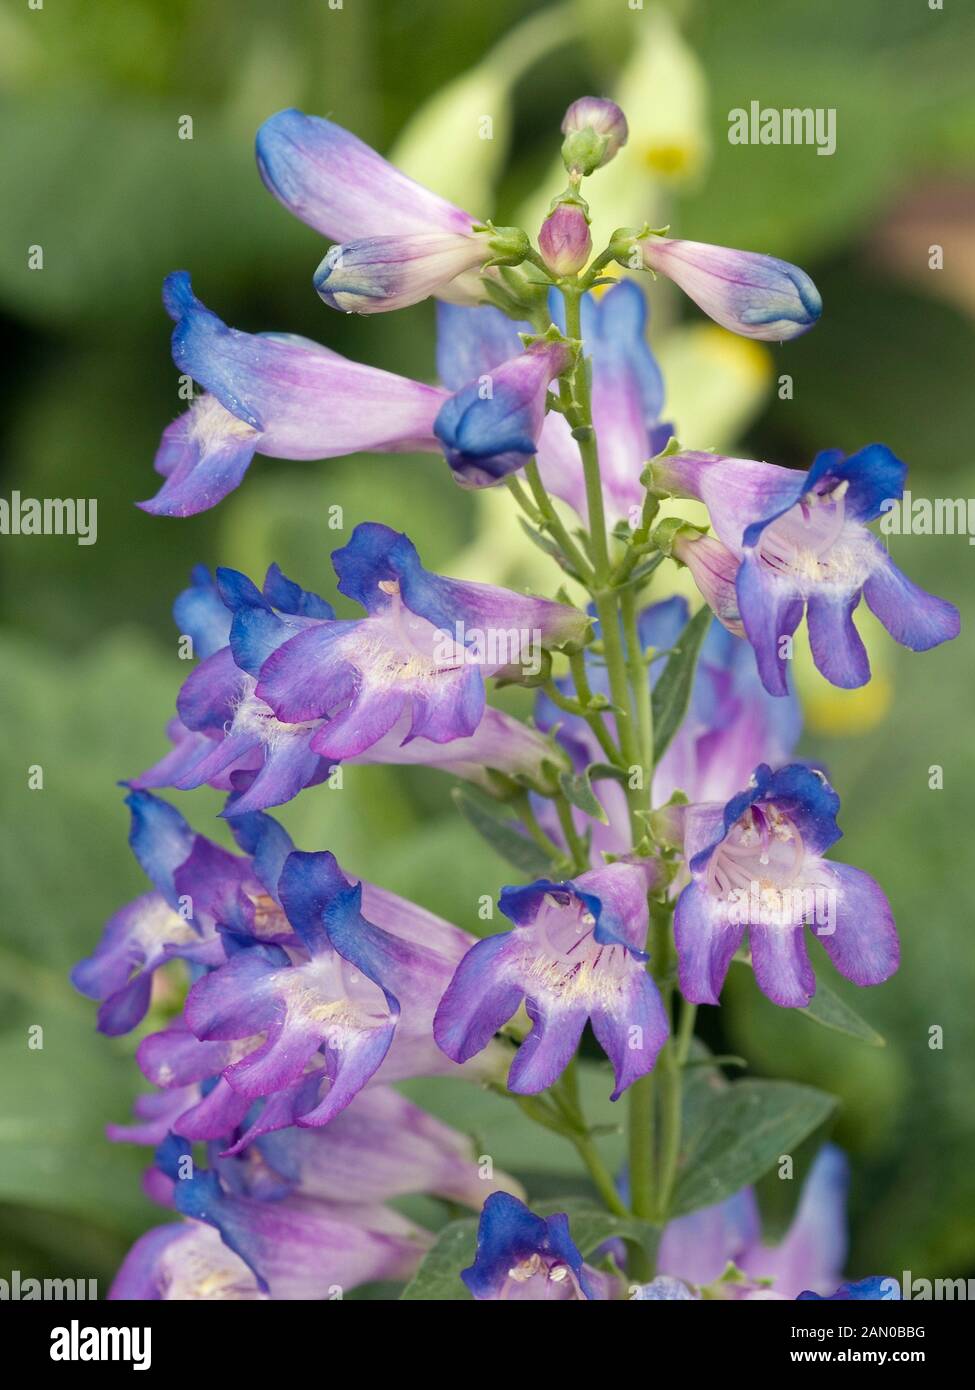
{"x":670,"y":529}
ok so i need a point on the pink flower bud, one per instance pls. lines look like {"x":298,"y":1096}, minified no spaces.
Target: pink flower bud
{"x":564,"y":241}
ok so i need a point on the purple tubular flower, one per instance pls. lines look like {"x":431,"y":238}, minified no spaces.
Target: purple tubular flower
{"x":197,"y":885}
{"x":627,"y":390}
{"x":715,"y":571}
{"x":244,"y":746}
{"x":399,"y":242}
{"x":814,"y":1249}
{"x":380,"y":1147}
{"x":528,"y":1258}
{"x":487,"y":436}
{"x":351,"y":984}
{"x":757,"y":863}
{"x":230,"y":738}
{"x":156,"y":1113}
{"x":184,"y":1067}
{"x":140,"y":936}
{"x":421,"y":654}
{"x":177,"y":1061}
{"x":472,"y":343}
{"x":698,"y":1248}
{"x":298,"y":1005}
{"x":295,"y":1248}
{"x":333,"y":181}
{"x":575,"y":954}
{"x":500,"y":743}
{"x":803,"y":543}
{"x":201,"y":614}
{"x":752,"y":295}
{"x":277,"y":395}
{"x":378,"y":274}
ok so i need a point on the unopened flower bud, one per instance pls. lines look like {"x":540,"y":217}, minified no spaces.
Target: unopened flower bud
{"x":754,"y":295}
{"x":594,"y":129}
{"x":564,"y":240}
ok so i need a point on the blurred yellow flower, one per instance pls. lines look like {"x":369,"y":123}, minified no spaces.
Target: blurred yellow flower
{"x":845,"y":713}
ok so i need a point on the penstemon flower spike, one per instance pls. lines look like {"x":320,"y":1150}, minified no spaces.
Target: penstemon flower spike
{"x":653,"y":805}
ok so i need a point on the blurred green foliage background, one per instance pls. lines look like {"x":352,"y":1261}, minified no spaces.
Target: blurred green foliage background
{"x":93,"y":171}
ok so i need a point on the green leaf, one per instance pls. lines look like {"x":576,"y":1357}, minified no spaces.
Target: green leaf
{"x":544,"y":1114}
{"x":438,"y":1278}
{"x":541,"y":540}
{"x":642,"y":571}
{"x":602,"y":772}
{"x":672,"y":693}
{"x":534,"y":1155}
{"x":738,"y":1132}
{"x":498,"y":828}
{"x":578,"y":790}
{"x":827,"y":1008}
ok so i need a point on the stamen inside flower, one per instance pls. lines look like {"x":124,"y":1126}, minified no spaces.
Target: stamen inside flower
{"x":331,"y":991}
{"x":401,"y":648}
{"x":762,"y":852}
{"x":268,"y":919}
{"x":201,"y":1267}
{"x":254,"y":716}
{"x":567,"y":958}
{"x":814,"y":542}
{"x":538,"y":1278}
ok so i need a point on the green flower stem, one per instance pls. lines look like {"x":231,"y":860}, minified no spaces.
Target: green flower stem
{"x":580,"y":417}
{"x":639,"y":686}
{"x":609,"y":624}
{"x":672,"y":1059}
{"x":565,"y":1095}
{"x":548,"y":846}
{"x":642,"y":1144}
{"x":579,"y":413}
{"x":652,"y":1173}
{"x":600,"y":1174}
{"x":685,"y":1034}
{"x":581,"y":707}
{"x":638,"y":541}
{"x":577,"y":846}
{"x":554,"y":524}
{"x":563,"y":702}
{"x":523,"y":500}
{"x":604,"y":259}
{"x":677,"y":1051}
{"x":671,"y":1094}
{"x":637,"y":751}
